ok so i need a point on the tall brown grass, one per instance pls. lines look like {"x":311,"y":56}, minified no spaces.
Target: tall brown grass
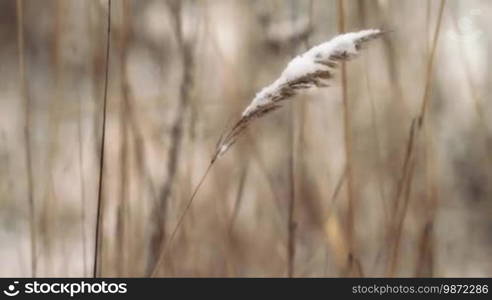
{"x":112,"y":122}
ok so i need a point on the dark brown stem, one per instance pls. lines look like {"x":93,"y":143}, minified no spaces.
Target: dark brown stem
{"x":347,"y":117}
{"x":27,"y":135}
{"x":430,"y":64}
{"x":97,"y":239}
{"x":291,"y":224}
{"x":408,"y":166}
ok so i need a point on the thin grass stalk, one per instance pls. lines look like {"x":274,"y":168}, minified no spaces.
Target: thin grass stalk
{"x":291,"y":175}
{"x":50,"y":211}
{"x":415,"y":131}
{"x":97,"y":239}
{"x":423,"y":266}
{"x":362,"y":9}
{"x":145,"y":182}
{"x":312,"y":69}
{"x":427,"y":26}
{"x":291,"y":224}
{"x":393,"y":264}
{"x":430,"y":64}
{"x":331,"y":207}
{"x":347,"y":125}
{"x":425,"y":250}
{"x":394,"y":234}
{"x":27,"y":136}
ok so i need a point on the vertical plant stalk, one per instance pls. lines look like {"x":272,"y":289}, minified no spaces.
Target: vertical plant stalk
{"x":165,"y":249}
{"x":27,"y":136}
{"x":291,"y":175}
{"x":122,"y":210}
{"x":430,"y":65}
{"x":425,"y":250}
{"x":158,"y":238}
{"x":97,"y":238}
{"x":50,"y":211}
{"x":400,"y":216}
{"x":313,"y":68}
{"x":347,"y":116}
{"x":239,"y":198}
{"x":408,"y":166}
{"x":82,"y":189}
{"x":291,"y":224}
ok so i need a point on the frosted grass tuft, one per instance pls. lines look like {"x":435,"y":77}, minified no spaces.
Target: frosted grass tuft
{"x":314,"y":68}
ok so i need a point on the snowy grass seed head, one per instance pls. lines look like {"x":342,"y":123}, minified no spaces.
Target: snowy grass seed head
{"x":313,"y":68}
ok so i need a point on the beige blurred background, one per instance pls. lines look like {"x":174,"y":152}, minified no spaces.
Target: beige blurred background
{"x":179,"y":73}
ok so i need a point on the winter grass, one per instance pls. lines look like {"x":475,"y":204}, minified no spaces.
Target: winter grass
{"x":97,"y":238}
{"x":312,"y":69}
{"x":407,"y":173}
{"x":27,"y":137}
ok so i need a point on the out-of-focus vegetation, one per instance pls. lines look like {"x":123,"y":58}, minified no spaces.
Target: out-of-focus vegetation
{"x":416,"y":199}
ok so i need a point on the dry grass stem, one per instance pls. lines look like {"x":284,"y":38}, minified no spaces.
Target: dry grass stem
{"x":311,"y":69}
{"x":27,"y":135}
{"x":100,"y":207}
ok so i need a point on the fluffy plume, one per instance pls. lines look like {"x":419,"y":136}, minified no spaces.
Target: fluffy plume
{"x":313,"y":68}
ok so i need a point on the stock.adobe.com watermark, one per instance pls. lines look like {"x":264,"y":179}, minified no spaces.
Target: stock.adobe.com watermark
{"x":68,"y":288}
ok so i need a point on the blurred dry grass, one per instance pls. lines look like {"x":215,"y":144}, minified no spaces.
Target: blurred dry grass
{"x":413,"y":202}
